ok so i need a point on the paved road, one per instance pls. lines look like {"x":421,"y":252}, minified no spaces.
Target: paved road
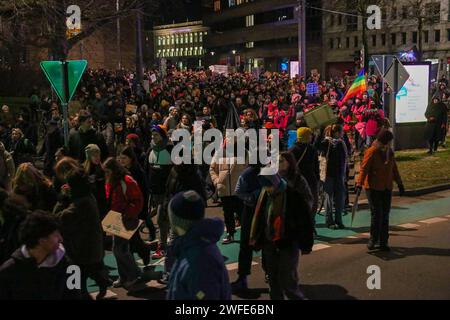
{"x":418,"y":267}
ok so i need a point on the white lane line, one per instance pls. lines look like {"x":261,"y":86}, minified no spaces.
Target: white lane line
{"x":235,"y":265}
{"x":320,"y":246}
{"x":409,"y":225}
{"x":433,"y":220}
{"x":109,"y":294}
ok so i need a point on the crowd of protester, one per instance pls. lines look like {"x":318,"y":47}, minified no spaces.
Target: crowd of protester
{"x":118,"y":158}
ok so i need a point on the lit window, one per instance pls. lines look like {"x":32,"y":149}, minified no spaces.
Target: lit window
{"x":250,"y":44}
{"x":195,"y":37}
{"x":201,"y":37}
{"x":186,"y":40}
{"x":190,"y":38}
{"x":250,"y":21}
{"x":231,"y":3}
{"x":159,"y":41}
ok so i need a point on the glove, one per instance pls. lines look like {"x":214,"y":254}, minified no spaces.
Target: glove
{"x":401,"y":190}
{"x":358,"y":189}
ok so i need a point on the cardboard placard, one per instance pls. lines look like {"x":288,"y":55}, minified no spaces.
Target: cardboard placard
{"x":312,"y":88}
{"x":112,"y":224}
{"x":131,"y":108}
{"x":320,"y":117}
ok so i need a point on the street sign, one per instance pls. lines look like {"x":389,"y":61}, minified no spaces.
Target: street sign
{"x":53,"y":70}
{"x":378,"y":59}
{"x":402,"y":76}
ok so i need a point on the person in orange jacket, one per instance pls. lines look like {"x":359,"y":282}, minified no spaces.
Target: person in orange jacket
{"x":378,"y":172}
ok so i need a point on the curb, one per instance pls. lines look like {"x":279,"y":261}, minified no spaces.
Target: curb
{"x":364,"y":204}
{"x":424,"y":191}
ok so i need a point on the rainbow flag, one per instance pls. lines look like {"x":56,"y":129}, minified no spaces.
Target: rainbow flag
{"x":358,"y":86}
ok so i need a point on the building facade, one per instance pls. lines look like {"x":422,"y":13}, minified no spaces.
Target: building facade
{"x":399,"y":33}
{"x":250,"y":34}
{"x":180,"y":44}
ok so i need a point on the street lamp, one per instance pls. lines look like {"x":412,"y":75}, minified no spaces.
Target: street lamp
{"x":234,"y":51}
{"x":213,"y":53}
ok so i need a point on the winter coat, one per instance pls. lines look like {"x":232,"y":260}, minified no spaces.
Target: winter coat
{"x":199,"y":272}
{"x":82,"y":231}
{"x":293,"y":204}
{"x":12,"y":214}
{"x":185,"y":178}
{"x":157,"y":168}
{"x":308,"y":167}
{"x":137,"y":173}
{"x":7,"y":168}
{"x":248,"y":187}
{"x":96,"y":177}
{"x":436,"y":115}
{"x":79,"y":140}
{"x":379,"y":169}
{"x":53,"y":141}
{"x":22,"y":279}
{"x":39,"y":197}
{"x":374,"y":118}
{"x":225,"y":175}
{"x":22,"y":151}
{"x":129,"y":202}
{"x":337,"y":157}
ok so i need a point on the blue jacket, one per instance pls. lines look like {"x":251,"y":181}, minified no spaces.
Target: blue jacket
{"x":248,"y":187}
{"x":199,"y":271}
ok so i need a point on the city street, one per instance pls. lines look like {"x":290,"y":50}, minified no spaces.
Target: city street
{"x":416,"y":268}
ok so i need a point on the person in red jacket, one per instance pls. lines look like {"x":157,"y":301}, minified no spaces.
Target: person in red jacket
{"x":124,"y":196}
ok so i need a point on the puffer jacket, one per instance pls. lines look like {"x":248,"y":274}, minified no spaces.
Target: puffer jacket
{"x":225,"y":173}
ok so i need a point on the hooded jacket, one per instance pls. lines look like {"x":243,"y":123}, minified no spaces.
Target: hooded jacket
{"x":379,"y":169}
{"x":21,"y":278}
{"x":199,"y":271}
{"x":82,"y":231}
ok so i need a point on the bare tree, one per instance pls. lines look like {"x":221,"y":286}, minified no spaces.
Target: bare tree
{"x":42,"y":23}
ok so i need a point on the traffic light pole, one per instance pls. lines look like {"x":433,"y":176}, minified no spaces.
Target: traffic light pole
{"x":65,"y":72}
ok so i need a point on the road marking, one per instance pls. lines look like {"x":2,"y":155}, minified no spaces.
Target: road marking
{"x":320,"y":246}
{"x":365,"y":234}
{"x":109,"y":294}
{"x":433,"y":220}
{"x":235,"y":265}
{"x":409,"y":225}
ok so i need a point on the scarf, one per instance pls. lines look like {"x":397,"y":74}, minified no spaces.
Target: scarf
{"x":269,"y":219}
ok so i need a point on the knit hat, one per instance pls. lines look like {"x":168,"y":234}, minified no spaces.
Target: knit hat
{"x":133,"y":137}
{"x":185,"y":209}
{"x":91,"y":149}
{"x":160,"y":130}
{"x":304,"y":134}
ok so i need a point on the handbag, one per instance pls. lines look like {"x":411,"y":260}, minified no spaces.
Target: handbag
{"x":323,"y":163}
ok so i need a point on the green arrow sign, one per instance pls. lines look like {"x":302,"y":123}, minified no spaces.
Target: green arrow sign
{"x":54,"y":72}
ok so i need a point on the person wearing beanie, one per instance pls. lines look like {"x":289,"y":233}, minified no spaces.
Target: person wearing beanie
{"x":378,"y":171}
{"x":132,"y":140}
{"x":307,"y":159}
{"x":157,"y":168}
{"x":199,"y":271}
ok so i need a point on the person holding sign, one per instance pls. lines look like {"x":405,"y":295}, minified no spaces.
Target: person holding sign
{"x":123,"y":196}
